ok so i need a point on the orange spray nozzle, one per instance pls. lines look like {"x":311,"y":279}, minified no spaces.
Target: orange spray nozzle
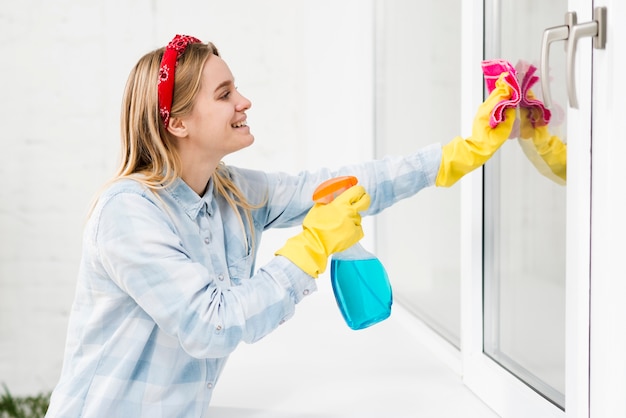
{"x":330,"y":189}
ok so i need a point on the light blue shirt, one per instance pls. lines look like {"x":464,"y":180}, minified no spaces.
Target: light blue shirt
{"x":167,"y":288}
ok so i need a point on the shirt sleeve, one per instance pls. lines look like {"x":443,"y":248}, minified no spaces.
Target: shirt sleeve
{"x":388,"y":180}
{"x":140,"y":251}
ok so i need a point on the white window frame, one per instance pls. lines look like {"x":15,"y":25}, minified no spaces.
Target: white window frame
{"x":497,"y":387}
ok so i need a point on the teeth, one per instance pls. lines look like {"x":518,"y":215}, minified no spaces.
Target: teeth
{"x":240,"y":124}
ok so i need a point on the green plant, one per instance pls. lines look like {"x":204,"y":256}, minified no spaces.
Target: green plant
{"x":23,"y":407}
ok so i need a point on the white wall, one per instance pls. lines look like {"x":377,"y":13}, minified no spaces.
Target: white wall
{"x":418,"y":81}
{"x":306,"y":66}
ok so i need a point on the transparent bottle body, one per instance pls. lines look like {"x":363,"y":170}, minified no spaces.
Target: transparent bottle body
{"x":361,"y":287}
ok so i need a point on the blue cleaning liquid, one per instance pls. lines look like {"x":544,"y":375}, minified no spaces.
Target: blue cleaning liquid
{"x":362,"y":291}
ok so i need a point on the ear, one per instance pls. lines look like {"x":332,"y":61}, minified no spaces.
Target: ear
{"x":176,"y":126}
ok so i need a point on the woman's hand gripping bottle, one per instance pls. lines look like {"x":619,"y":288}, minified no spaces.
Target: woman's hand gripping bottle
{"x":359,"y":280}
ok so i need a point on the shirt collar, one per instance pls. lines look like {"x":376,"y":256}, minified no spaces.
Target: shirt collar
{"x":189,"y":200}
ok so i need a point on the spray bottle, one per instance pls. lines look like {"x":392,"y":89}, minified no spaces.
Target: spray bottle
{"x":359,"y":280}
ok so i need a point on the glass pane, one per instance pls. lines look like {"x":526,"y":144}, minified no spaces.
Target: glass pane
{"x":524,"y":277}
{"x":417,"y":80}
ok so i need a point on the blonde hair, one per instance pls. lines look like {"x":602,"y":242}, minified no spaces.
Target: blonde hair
{"x":148,"y":154}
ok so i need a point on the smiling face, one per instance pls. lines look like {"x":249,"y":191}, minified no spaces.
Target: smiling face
{"x":217,"y":124}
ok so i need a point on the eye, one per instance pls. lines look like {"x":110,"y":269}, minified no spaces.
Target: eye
{"x":225,"y":95}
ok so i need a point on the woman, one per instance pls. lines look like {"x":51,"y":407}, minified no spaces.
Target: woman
{"x":167,"y":286}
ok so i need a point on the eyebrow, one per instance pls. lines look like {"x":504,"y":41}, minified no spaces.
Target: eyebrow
{"x":224,"y":84}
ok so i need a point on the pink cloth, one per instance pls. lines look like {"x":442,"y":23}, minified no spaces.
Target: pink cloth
{"x":542,"y":117}
{"x":492,"y":69}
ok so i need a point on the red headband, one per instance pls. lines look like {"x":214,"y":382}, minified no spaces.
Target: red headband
{"x":173,"y":51}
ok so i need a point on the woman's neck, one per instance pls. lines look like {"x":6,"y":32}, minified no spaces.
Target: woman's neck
{"x":198,"y":178}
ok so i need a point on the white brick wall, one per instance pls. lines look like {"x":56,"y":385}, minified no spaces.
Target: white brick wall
{"x":306,"y":66}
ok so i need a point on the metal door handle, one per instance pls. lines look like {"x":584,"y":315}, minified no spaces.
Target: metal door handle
{"x":570,"y":32}
{"x":596,"y":29}
{"x":556,"y":33}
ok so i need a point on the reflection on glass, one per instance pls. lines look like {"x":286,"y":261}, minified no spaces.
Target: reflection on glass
{"x":524,"y":265}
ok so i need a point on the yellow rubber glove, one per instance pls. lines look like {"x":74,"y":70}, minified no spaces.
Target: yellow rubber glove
{"x":460,"y":156}
{"x":327,"y":229}
{"x":545,"y":151}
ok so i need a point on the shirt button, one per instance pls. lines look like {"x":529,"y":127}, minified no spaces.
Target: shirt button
{"x":207,"y":240}
{"x":306,"y":292}
{"x":282,"y":321}
{"x":219,"y":327}
{"x":209,"y":385}
{"x":220,"y":277}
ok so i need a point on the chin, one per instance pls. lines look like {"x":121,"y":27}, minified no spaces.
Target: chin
{"x":250,"y":141}
{"x":243,"y":144}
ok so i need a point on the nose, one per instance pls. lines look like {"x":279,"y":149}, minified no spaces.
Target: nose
{"x":243,"y":103}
